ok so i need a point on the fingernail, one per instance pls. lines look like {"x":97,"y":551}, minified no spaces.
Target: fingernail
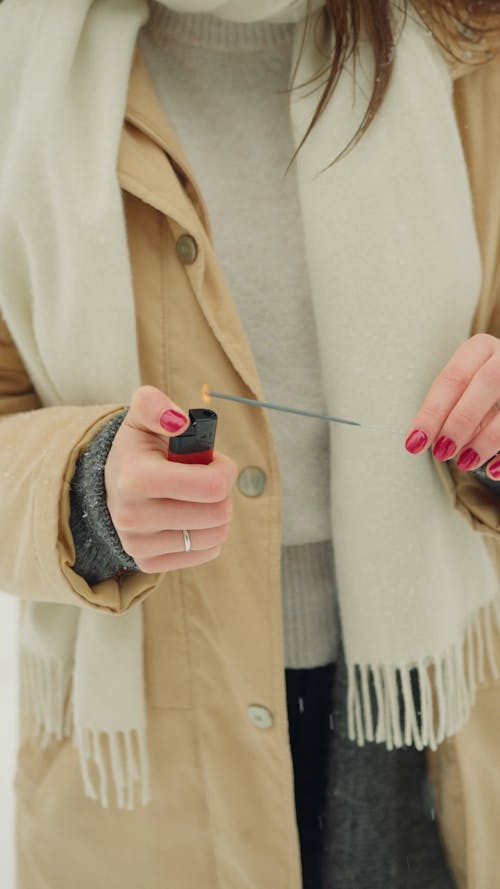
{"x":468,"y":459}
{"x":416,"y":441}
{"x":172,"y":421}
{"x":494,"y":469}
{"x":444,"y":448}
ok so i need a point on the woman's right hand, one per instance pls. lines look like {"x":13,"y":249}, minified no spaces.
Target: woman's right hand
{"x":151,"y":500}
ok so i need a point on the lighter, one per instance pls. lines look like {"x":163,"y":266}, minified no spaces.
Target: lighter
{"x":196,"y":444}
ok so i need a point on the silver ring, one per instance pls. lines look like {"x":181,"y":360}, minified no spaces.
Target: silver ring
{"x":187,"y":541}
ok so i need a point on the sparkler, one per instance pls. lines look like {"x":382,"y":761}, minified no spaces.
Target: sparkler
{"x":207,"y":396}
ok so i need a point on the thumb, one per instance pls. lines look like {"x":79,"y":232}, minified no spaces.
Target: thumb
{"x":154,"y":412}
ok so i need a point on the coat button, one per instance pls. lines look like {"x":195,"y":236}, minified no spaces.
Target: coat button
{"x":259,"y":716}
{"x":187,"y":249}
{"x":252,"y":481}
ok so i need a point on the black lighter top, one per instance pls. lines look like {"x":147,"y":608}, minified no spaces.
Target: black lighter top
{"x":196,"y":444}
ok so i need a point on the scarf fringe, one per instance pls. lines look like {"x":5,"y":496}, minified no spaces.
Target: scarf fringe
{"x":44,"y":697}
{"x":424,"y":709}
{"x":119,"y":758}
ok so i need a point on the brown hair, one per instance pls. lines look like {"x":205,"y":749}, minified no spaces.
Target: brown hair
{"x":468,"y":31}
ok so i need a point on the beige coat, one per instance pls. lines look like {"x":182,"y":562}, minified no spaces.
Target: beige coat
{"x":222,"y":815}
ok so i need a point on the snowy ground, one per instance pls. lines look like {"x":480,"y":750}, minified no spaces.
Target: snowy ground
{"x":8,"y":730}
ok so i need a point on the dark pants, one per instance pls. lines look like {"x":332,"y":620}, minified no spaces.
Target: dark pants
{"x":365,"y":815}
{"x":310,"y":717}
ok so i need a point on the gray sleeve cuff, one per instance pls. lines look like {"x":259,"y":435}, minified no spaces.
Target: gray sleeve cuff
{"x":99,"y":553}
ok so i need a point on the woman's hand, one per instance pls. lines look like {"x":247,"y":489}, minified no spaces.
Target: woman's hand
{"x":460,"y":415}
{"x":151,"y":501}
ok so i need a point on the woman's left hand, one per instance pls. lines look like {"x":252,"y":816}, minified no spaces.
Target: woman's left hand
{"x":460,"y":415}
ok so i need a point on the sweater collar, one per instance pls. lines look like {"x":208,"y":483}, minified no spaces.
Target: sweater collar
{"x":247,"y":10}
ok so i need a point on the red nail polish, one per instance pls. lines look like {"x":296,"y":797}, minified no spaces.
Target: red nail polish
{"x":468,"y":459}
{"x":494,"y":469}
{"x":416,"y":441}
{"x":444,"y":448}
{"x":172,"y":421}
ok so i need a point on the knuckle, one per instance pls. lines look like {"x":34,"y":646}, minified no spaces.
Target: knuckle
{"x":129,"y":481}
{"x":465,"y":420}
{"x":140,"y":396}
{"x":145,"y":565}
{"x":492,"y":373}
{"x":491,"y":438}
{"x":220,"y":535}
{"x":124,"y":518}
{"x":135,"y":547}
{"x":223,"y":512}
{"x":130,"y":478}
{"x":159,"y":563}
{"x":456,"y":375}
{"x":484,"y":340}
{"x":228,"y":510}
{"x":233,"y":473}
{"x":212,"y":553}
{"x":433,"y":413}
{"x":216,"y":515}
{"x":211,"y":517}
{"x":216,"y":490}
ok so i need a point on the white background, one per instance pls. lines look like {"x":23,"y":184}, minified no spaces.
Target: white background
{"x":8,"y":735}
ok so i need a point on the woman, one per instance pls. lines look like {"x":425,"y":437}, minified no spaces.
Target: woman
{"x":195,"y":679}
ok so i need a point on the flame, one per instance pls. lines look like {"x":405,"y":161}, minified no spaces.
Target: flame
{"x":205,"y":393}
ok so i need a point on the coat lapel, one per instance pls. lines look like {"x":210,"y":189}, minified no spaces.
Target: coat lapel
{"x":152,"y":166}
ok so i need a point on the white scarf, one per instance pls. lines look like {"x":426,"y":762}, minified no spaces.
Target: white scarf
{"x":395,"y":276}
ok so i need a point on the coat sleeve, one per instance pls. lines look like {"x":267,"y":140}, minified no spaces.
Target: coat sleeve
{"x":477,"y":100}
{"x":39,"y":448}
